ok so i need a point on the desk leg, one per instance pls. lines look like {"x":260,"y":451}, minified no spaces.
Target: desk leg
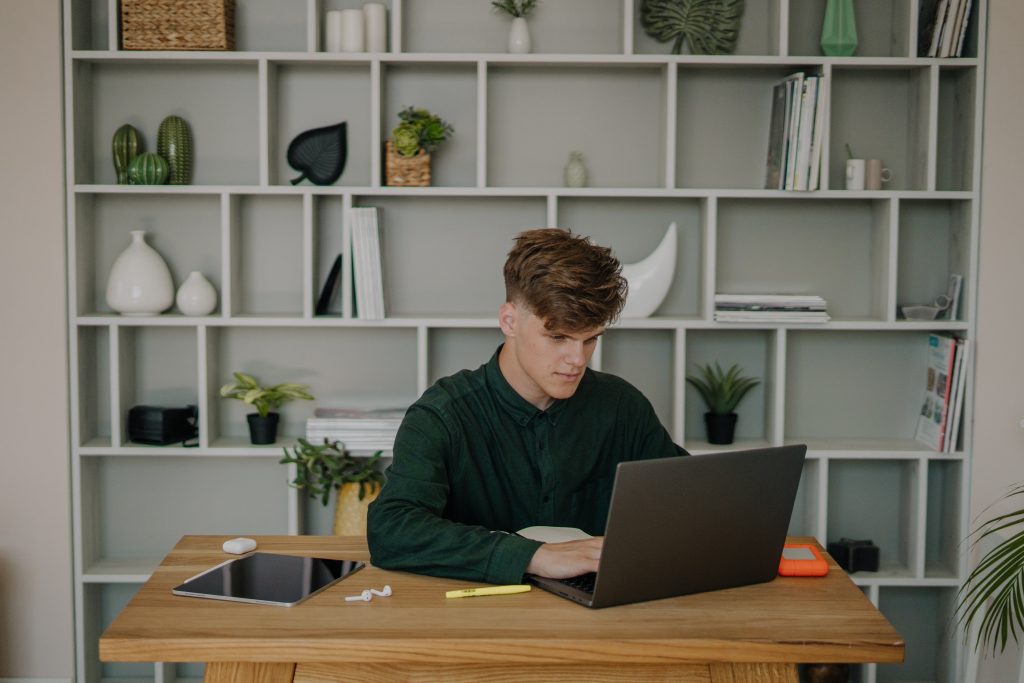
{"x":753,"y":673}
{"x":249,"y":672}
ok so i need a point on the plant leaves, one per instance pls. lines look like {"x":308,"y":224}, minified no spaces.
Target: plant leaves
{"x":319,"y":154}
{"x":710,"y":27}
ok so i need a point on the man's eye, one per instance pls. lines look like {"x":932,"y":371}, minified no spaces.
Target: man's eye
{"x":557,"y":338}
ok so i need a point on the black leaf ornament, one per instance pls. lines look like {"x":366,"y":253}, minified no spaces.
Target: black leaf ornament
{"x":319,"y":154}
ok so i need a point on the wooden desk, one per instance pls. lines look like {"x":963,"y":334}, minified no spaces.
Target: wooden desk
{"x":755,"y":633}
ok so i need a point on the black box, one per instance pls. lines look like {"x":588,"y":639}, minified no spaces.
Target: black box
{"x":159,"y":426}
{"x":854,"y":556}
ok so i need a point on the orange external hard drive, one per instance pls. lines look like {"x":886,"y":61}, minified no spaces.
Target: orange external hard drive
{"x":800,"y":559}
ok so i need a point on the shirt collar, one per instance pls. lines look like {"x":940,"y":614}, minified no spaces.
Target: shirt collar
{"x":521,"y":410}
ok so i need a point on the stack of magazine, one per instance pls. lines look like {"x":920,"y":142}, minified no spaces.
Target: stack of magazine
{"x":795,"y":135}
{"x":359,"y":430}
{"x":774,"y":308}
{"x":367,"y":270}
{"x":938,"y":425}
{"x":943,"y":27}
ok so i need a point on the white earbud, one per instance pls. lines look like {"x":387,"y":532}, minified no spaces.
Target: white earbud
{"x":365,"y":596}
{"x":383,"y":593}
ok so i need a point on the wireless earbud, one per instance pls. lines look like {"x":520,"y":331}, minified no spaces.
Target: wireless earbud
{"x":365,"y":596}
{"x":383,"y":593}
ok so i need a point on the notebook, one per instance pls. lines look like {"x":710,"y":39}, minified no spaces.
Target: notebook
{"x":686,"y":525}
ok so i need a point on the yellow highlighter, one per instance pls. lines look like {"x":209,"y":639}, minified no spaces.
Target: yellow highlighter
{"x":488,"y":590}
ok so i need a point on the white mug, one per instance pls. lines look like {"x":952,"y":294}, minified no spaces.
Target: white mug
{"x":855,"y":174}
{"x":875,"y":174}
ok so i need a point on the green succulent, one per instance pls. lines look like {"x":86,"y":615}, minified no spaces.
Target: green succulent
{"x":405,"y":139}
{"x":322,"y":468}
{"x":419,"y":129}
{"x":247,"y":389}
{"x":722,"y":391}
{"x":711,"y":27}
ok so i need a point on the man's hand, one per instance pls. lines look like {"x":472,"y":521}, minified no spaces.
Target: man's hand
{"x":565,"y":560}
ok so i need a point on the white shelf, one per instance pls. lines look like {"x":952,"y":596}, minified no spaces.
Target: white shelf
{"x":136,"y":570}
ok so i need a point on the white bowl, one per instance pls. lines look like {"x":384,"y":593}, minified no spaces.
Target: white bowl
{"x":920,"y":312}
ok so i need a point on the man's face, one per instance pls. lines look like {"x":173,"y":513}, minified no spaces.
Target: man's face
{"x":543,"y":365}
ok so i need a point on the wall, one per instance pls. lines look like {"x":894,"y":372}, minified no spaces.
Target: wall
{"x":35,"y":541}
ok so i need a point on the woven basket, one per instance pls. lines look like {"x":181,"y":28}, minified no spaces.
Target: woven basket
{"x":178,"y":24}
{"x":400,"y":171}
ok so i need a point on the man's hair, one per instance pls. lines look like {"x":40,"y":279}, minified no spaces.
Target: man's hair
{"x":564,"y":279}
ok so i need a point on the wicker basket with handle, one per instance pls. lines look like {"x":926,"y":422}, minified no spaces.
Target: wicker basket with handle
{"x":178,"y":24}
{"x":400,"y":171}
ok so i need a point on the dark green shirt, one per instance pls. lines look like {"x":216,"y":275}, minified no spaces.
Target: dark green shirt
{"x":473,"y":459}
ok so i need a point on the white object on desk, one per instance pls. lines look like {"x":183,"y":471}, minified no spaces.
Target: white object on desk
{"x":239,"y":546}
{"x":553,"y":534}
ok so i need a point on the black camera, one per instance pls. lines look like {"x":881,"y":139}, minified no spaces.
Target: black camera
{"x":159,"y":426}
{"x":854,"y":556}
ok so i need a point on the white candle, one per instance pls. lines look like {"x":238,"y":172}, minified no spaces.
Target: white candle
{"x":333,"y":31}
{"x":352,"y":31}
{"x":376,"y":15}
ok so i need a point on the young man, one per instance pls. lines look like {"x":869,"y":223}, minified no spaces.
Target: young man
{"x":530,"y":438}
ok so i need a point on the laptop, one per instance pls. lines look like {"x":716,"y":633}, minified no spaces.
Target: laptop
{"x":689,"y":525}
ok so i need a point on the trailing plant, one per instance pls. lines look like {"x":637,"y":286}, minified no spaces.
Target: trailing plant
{"x":722,"y":391}
{"x":711,"y":27}
{"x":319,"y":469}
{"x":419,"y":129}
{"x":248,"y":390}
{"x":515,"y":8}
{"x":994,"y":591}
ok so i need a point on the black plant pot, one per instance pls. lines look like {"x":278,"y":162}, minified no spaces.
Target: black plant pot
{"x":721,"y":428}
{"x":263,"y":430}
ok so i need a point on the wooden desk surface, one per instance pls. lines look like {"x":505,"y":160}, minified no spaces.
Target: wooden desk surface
{"x":787,"y":620}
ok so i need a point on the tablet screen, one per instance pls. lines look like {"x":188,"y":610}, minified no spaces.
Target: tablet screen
{"x":267,"y":578}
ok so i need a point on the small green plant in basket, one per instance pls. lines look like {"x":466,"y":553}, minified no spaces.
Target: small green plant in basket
{"x":419,"y":129}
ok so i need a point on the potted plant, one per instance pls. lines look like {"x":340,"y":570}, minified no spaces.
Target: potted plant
{"x":266,"y":401}
{"x":322,"y":468}
{"x":519,"y":34}
{"x":412,"y":141}
{"x":722,"y":392}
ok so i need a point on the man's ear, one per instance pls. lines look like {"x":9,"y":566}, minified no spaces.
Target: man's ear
{"x":508,"y":318}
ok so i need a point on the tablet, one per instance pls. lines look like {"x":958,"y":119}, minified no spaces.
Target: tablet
{"x":268,"y":579}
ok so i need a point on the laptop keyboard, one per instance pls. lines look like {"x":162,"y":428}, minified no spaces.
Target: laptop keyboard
{"x":583,"y":582}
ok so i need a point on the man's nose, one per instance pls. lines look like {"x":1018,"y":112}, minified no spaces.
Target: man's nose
{"x":575,"y":355}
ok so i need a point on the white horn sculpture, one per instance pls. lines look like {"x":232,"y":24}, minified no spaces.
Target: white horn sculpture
{"x":649,"y":279}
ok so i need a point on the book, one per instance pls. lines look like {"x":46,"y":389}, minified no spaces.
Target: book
{"x":953,"y":292}
{"x":795,"y":83}
{"x":963,"y":30}
{"x":817,"y":137}
{"x":957,"y":366}
{"x":776,"y":139}
{"x":926,"y":17}
{"x":940,"y":20}
{"x":963,"y":355}
{"x":931,"y":422}
{"x":366,"y":264}
{"x":951,"y":32}
{"x":808,"y":102}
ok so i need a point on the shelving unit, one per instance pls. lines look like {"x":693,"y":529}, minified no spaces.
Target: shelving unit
{"x":666,"y":138}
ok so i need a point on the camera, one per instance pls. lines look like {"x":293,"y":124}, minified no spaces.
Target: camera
{"x":854,"y":555}
{"x":159,"y":426}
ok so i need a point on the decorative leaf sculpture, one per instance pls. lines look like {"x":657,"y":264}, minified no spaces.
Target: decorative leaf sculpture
{"x":319,"y":154}
{"x":709,"y":26}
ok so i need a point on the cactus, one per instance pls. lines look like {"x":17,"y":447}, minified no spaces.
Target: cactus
{"x":174,"y":143}
{"x":147,"y":168}
{"x":126,"y":147}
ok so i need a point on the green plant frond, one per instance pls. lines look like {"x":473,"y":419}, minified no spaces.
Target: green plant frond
{"x":246,"y":381}
{"x":322,"y":468}
{"x":722,"y":390}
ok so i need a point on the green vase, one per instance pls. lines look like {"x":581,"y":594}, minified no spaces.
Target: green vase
{"x":839,"y":30}
{"x":125,"y":148}
{"x":148,"y":168}
{"x":174,"y":143}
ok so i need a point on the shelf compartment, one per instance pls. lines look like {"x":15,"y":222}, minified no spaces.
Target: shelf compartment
{"x":307,"y":96}
{"x":934,"y":243}
{"x":876,"y":500}
{"x":90,"y":25}
{"x":266,"y":255}
{"x":567,"y":26}
{"x":93,"y":358}
{"x":722,"y":121}
{"x":219,"y":102}
{"x":425,"y":276}
{"x":183,"y":229}
{"x":334,"y":362}
{"x":855,"y":385}
{"x":834,"y":248}
{"x":956,"y":129}
{"x":923,"y":617}
{"x":102,"y":604}
{"x":645,"y":359}
{"x":758,"y":34}
{"x":260,"y":25}
{"x":452,"y":350}
{"x":449,"y":91}
{"x":754,"y":351}
{"x":881,"y":114}
{"x":536,"y":116}
{"x":882,"y":31}
{"x":633,"y":228}
{"x":943,"y":529}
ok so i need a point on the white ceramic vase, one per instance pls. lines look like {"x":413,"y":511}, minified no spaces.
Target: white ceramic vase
{"x":353,"y":30}
{"x":519,"y":37}
{"x":196,"y":296}
{"x":375,"y":15}
{"x":140,"y":282}
{"x":575,"y":171}
{"x":649,"y":280}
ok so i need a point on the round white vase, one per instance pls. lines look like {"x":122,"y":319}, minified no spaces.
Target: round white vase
{"x":140,"y":282}
{"x":196,"y":296}
{"x":519,"y":37}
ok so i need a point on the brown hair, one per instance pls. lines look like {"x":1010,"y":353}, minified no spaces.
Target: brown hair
{"x":565,"y":279}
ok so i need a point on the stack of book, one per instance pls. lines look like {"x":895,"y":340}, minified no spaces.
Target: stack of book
{"x":367,"y":271}
{"x":795,"y":134}
{"x":775,"y":308}
{"x":938,"y":425}
{"x":943,"y":27}
{"x":358,"y":430}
